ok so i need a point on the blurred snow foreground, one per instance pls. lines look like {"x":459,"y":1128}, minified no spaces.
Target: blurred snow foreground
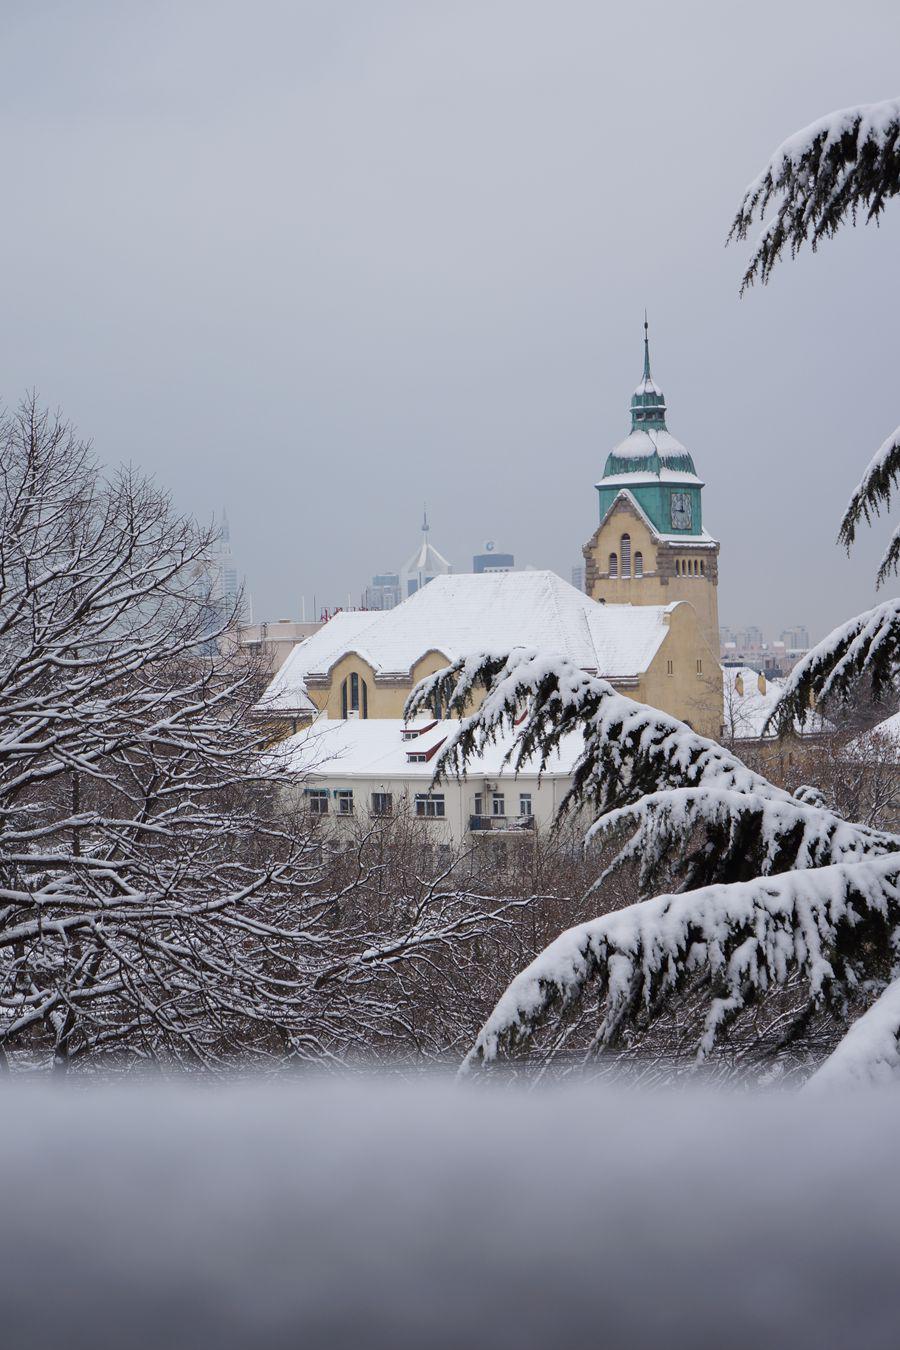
{"x":381,"y":1214}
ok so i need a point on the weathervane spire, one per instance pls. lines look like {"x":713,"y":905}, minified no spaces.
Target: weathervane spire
{"x":646,"y":347}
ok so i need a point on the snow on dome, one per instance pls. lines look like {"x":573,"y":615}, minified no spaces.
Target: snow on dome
{"x":648,"y":386}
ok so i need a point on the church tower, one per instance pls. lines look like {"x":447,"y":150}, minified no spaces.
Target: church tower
{"x":650,"y":547}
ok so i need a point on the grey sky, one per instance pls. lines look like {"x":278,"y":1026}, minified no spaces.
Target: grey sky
{"x":319,"y":262}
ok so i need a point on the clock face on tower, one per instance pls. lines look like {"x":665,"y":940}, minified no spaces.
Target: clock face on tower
{"x":681,"y":511}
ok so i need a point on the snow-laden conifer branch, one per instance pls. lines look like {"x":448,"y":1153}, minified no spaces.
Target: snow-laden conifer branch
{"x":834,"y":927}
{"x":872,"y":495}
{"x":848,"y":161}
{"x":691,"y":837}
{"x":867,"y":644}
{"x":697,"y":813}
{"x":869,"y":1054}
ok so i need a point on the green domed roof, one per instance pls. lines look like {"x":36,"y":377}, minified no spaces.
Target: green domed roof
{"x":650,"y":449}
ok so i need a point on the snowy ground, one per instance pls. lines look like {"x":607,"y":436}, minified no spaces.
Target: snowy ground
{"x":427,"y":1215}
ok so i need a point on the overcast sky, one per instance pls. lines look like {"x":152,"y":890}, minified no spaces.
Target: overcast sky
{"x":318,"y":263}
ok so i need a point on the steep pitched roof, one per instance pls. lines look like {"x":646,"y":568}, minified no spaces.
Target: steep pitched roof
{"x":490,"y":611}
{"x":287,"y":691}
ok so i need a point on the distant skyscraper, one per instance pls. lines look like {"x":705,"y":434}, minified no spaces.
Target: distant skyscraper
{"x":492,"y":561}
{"x":226,"y":588}
{"x":424,"y":565}
{"x":384,"y":592}
{"x":387,"y":589}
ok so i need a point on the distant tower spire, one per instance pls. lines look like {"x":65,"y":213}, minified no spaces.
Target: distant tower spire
{"x":646,"y":347}
{"x":425,"y":526}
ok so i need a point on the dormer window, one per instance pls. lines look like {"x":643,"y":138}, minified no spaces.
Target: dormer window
{"x":411,"y":733}
{"x":354,"y":697}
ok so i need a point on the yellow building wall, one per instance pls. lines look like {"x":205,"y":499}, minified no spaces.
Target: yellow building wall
{"x":684,"y":678}
{"x":659,"y":585}
{"x":384,"y":699}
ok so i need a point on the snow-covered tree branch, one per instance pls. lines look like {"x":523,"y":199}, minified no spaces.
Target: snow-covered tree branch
{"x":847,"y":162}
{"x":156,"y":899}
{"x":836,"y":927}
{"x":771,"y":888}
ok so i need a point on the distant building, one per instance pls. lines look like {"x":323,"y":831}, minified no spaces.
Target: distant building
{"x":578,"y":576}
{"x":387,"y":589}
{"x":226,"y":590}
{"x":274,"y":641}
{"x":796,"y":639}
{"x":491,"y":561}
{"x":424,"y":565}
{"x":384,"y":591}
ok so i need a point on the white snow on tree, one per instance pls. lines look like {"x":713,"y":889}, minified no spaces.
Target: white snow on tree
{"x":763,"y":888}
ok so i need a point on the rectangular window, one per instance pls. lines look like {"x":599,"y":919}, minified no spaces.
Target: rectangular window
{"x":498,"y":804}
{"x":525,"y":808}
{"x":318,"y":801}
{"x":382,"y":804}
{"x":344,"y":798}
{"x":479,"y":804}
{"x":699,"y":666}
{"x":416,"y":757}
{"x":429,"y":804}
{"x":670,"y":669}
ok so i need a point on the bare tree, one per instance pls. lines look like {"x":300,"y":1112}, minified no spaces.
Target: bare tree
{"x":155,"y":901}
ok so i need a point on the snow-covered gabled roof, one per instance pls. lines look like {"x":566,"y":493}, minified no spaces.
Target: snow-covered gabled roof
{"x":882,"y":739}
{"x":490,"y":611}
{"x":287,"y":691}
{"x":748,"y":708}
{"x":375,"y":750}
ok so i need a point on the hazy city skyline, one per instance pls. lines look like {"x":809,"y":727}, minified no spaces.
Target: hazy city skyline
{"x":318,"y":264}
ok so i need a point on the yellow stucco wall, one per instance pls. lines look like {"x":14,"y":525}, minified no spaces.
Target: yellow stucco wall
{"x":660,"y":584}
{"x":684,"y":678}
{"x":385,"y":699}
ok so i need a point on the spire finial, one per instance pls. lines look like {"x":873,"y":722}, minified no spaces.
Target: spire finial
{"x":424,"y":518}
{"x":646,"y":347}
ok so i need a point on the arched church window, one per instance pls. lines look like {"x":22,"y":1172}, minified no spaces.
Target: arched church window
{"x":613,"y":565}
{"x":639,"y":564}
{"x":703,"y":569}
{"x":354,"y":696}
{"x":625,"y":553}
{"x":678,"y":567}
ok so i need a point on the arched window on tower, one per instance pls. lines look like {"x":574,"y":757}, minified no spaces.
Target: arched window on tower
{"x":702,"y":568}
{"x":678,"y":567}
{"x":613,"y":565}
{"x":625,"y":552}
{"x":639,"y":564}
